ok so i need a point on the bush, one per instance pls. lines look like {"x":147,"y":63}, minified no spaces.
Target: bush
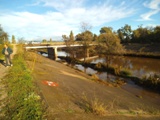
{"x":125,"y":72}
{"x":153,"y":82}
{"x":1,"y":47}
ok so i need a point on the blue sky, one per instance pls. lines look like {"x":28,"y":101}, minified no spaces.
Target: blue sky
{"x":45,"y":19}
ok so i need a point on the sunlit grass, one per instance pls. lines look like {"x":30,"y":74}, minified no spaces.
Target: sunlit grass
{"x":23,"y":102}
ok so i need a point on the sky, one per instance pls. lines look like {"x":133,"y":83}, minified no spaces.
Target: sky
{"x":45,"y":19}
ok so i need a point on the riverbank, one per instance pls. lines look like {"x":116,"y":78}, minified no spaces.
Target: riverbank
{"x":77,"y":93}
{"x":22,"y":100}
{"x":3,"y":72}
{"x":137,"y":47}
{"x":142,"y":50}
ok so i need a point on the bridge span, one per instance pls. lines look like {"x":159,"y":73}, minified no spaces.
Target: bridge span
{"x":52,"y":50}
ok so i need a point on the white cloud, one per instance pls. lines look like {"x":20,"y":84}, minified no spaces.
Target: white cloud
{"x":68,"y":16}
{"x":61,"y":5}
{"x":154,"y":5}
{"x":147,"y":15}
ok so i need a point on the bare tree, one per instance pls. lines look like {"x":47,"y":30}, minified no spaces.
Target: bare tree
{"x":86,"y":38}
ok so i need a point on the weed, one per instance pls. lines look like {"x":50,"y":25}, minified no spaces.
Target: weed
{"x":98,"y":107}
{"x":93,"y":106}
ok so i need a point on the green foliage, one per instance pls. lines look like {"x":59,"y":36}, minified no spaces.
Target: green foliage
{"x":125,"y":72}
{"x":153,"y":82}
{"x":71,"y":36}
{"x":125,"y":33}
{"x":23,"y":102}
{"x":13,"y":39}
{"x":109,"y":43}
{"x":69,"y":41}
{"x":106,"y":30}
{"x":3,"y":36}
{"x":1,"y":47}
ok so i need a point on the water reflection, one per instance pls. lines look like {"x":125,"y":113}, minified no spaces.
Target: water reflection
{"x":138,"y":66}
{"x":101,"y":75}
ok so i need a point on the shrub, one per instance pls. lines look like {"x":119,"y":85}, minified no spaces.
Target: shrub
{"x":153,"y":82}
{"x":125,"y":72}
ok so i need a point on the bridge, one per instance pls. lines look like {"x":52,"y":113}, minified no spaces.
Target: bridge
{"x":52,"y":50}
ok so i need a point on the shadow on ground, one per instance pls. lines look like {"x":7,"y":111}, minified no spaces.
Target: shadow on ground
{"x":2,"y":62}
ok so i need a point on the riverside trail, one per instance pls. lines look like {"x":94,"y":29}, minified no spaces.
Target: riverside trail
{"x":3,"y":72}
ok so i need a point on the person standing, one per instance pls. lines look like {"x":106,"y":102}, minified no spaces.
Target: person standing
{"x":7,"y":51}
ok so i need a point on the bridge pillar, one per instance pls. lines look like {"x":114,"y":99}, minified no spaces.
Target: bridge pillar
{"x":52,"y":53}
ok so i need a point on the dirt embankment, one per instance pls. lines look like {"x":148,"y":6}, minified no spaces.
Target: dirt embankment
{"x":77,"y":93}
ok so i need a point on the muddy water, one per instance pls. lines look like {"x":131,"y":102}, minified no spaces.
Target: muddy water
{"x":139,"y":66}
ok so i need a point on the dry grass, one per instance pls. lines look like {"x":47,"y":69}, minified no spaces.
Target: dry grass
{"x":94,"y":105}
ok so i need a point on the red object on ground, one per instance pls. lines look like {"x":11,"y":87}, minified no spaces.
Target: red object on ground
{"x":50,"y":83}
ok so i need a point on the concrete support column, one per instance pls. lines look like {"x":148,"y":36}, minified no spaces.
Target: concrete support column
{"x":52,"y":53}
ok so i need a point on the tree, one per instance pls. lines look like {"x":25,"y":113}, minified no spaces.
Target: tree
{"x":44,"y":41}
{"x":109,"y":43}
{"x":50,"y":40}
{"x":71,"y":36}
{"x":95,"y":37}
{"x":86,"y":37}
{"x":156,"y":34}
{"x":106,"y":30}
{"x":125,"y":33}
{"x":3,"y":36}
{"x":69,"y":41}
{"x":13,"y":39}
{"x":142,"y":34}
{"x":21,"y":40}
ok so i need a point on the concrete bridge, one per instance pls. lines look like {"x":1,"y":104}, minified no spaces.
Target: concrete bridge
{"x":52,"y":50}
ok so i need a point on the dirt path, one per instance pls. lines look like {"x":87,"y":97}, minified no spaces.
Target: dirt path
{"x":3,"y":72}
{"x":70,"y":99}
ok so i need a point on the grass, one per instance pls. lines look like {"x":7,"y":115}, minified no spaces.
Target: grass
{"x":23,"y":102}
{"x":143,"y":54}
{"x":1,"y":47}
{"x":94,"y":106}
{"x":98,"y":107}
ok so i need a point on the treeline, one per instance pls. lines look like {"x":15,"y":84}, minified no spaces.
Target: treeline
{"x":4,"y":37}
{"x":127,"y":35}
{"x":140,"y":35}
